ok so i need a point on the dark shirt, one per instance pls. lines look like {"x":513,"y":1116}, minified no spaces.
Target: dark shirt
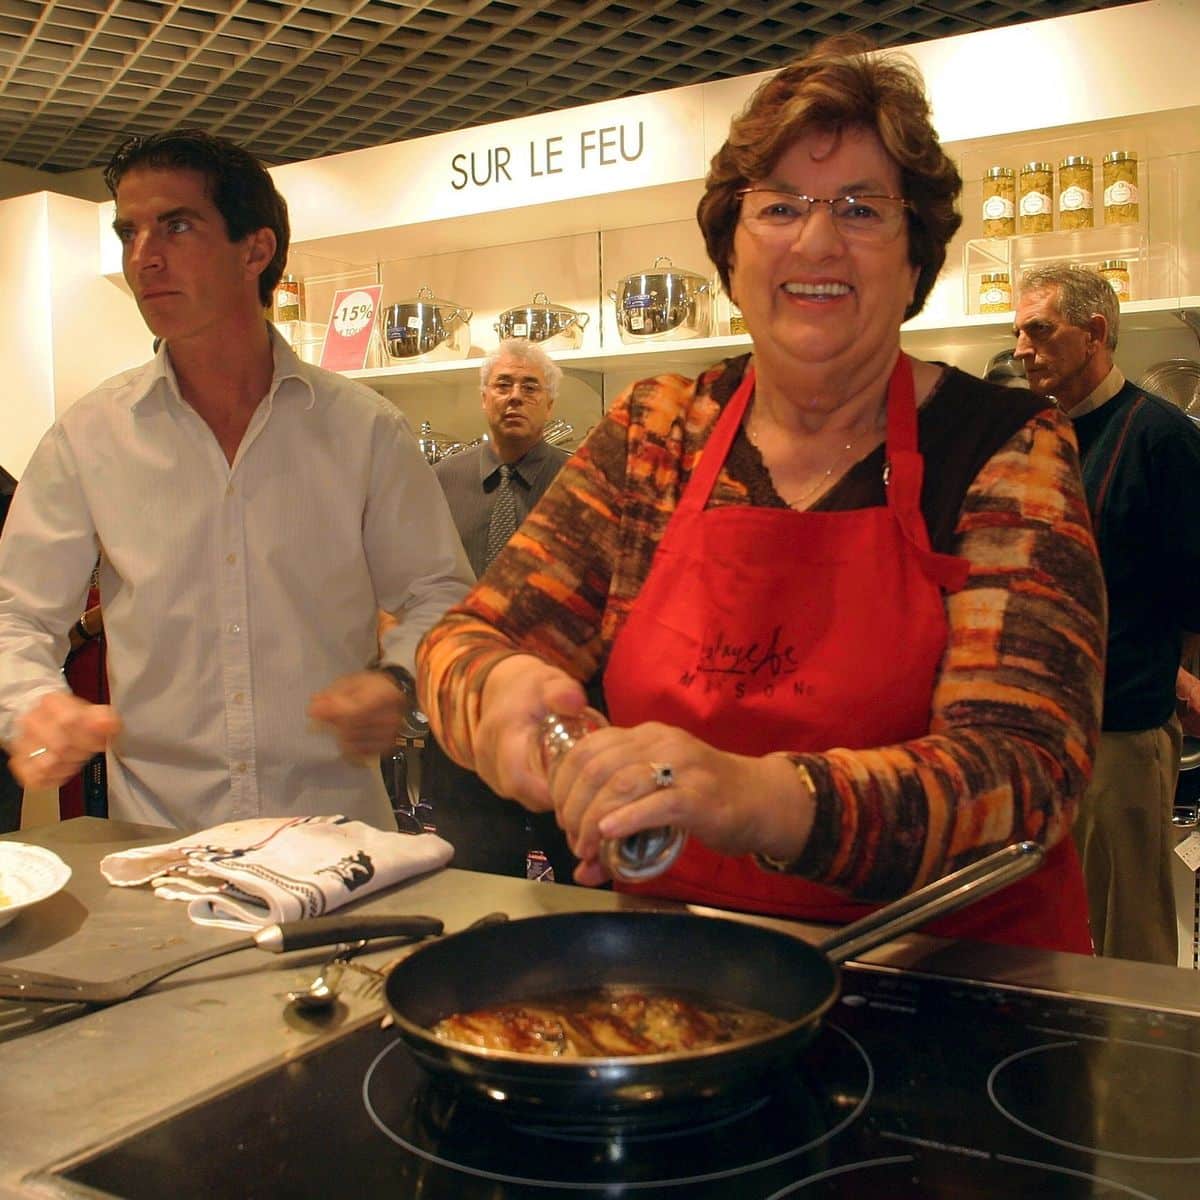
{"x":1141,"y":471}
{"x":470,"y":478}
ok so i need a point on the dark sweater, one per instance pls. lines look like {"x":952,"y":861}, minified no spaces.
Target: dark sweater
{"x":1141,"y":472}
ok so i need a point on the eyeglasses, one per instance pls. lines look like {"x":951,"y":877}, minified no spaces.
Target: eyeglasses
{"x":774,"y":213}
{"x":503,"y":384}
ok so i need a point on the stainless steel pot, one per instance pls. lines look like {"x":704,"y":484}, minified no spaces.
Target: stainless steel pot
{"x":663,"y":304}
{"x":426,"y":327}
{"x":553,"y":326}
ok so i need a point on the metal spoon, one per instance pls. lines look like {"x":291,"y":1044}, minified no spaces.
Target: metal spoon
{"x":321,"y":995}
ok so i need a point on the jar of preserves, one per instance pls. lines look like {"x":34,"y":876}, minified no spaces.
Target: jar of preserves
{"x":289,"y":300}
{"x":1036,"y":202}
{"x":999,"y":202}
{"x":995,"y":292}
{"x":1120,"y":188}
{"x":1075,"y":209}
{"x":1116,"y":271}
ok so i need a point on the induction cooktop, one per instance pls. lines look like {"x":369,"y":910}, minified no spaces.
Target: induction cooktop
{"x":916,"y":1087}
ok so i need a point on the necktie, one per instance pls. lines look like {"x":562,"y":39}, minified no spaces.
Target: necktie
{"x":504,"y":513}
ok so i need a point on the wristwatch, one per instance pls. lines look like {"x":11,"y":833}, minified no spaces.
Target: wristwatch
{"x":403,"y":679}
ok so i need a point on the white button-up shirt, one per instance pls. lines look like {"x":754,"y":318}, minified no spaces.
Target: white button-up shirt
{"x":231,"y":593}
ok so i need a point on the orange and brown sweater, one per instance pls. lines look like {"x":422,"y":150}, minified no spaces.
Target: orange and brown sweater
{"x":1016,"y":705}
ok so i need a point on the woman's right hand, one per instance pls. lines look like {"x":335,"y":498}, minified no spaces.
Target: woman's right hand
{"x":520,"y":691}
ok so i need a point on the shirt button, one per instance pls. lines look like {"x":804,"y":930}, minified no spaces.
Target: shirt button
{"x":231,"y":559}
{"x":240,"y":768}
{"x":238,"y":697}
{"x":235,"y":628}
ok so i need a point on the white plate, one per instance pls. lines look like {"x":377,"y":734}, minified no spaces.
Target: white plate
{"x":28,"y":874}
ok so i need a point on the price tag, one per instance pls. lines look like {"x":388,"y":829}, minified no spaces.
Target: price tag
{"x":351,"y":324}
{"x":1189,"y":851}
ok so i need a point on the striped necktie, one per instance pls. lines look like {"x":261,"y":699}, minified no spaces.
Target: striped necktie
{"x":504,"y":513}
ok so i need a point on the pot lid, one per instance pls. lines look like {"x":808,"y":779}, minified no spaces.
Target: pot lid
{"x":425,"y":296}
{"x":663,"y":266}
{"x":541,"y":301}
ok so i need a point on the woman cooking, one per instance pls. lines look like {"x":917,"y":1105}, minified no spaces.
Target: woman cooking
{"x":844,"y":605}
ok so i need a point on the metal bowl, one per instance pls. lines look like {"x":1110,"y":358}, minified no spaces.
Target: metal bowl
{"x":426,"y":328}
{"x":1177,"y":380}
{"x":667,"y":305}
{"x":554,"y":326}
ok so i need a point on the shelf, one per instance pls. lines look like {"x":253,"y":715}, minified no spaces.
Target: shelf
{"x":921,"y":337}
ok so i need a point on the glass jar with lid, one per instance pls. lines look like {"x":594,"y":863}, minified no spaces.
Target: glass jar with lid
{"x":1036,"y":201}
{"x":995,"y":292}
{"x":1120,"y":169}
{"x":1075,"y":209}
{"x":999,"y":202}
{"x":1116,"y":271}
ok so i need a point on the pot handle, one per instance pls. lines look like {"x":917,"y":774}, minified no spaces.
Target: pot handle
{"x":612,"y":295}
{"x":583,"y":318}
{"x":935,"y":899}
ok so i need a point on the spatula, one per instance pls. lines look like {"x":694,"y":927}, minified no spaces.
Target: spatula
{"x":16,"y":984}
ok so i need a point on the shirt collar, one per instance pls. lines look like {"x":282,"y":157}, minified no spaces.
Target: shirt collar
{"x":159,"y":377}
{"x":489,"y":461}
{"x":1108,"y":387}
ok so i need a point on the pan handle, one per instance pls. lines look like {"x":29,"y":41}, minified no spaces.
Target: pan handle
{"x":935,"y":899}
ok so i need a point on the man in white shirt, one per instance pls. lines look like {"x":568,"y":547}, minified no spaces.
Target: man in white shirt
{"x":251,"y":513}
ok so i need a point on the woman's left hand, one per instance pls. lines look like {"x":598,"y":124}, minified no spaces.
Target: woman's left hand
{"x":606,"y":787}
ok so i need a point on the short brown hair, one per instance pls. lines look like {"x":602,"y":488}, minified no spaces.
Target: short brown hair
{"x":838,"y":85}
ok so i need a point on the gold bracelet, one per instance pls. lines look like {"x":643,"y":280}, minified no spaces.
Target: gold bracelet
{"x":784,"y":864}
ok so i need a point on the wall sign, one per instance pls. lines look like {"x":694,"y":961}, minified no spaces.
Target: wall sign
{"x":351,"y":324}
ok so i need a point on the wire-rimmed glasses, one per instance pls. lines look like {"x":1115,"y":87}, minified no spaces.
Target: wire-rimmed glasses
{"x":778,"y":213}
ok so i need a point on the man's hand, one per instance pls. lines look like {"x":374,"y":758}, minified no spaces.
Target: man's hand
{"x":365,"y":710}
{"x":57,"y":736}
{"x":1187,"y":692}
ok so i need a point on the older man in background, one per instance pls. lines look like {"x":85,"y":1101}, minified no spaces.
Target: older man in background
{"x":491,"y":490}
{"x":1140,"y":457}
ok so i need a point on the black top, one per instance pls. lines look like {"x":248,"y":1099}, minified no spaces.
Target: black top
{"x":1141,"y":470}
{"x":8,"y":485}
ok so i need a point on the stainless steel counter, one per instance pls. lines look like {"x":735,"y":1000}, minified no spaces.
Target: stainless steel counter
{"x":69,"y":1081}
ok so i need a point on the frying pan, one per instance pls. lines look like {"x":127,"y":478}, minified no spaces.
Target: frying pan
{"x":716,"y":958}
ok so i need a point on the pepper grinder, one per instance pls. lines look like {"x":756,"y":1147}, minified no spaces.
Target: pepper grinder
{"x":641,"y":855}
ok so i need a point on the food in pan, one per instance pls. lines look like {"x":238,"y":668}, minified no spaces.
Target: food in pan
{"x":605,"y":1024}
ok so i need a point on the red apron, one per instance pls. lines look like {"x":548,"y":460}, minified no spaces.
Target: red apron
{"x":762,"y":629}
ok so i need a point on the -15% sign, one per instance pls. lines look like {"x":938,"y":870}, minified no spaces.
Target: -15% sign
{"x":351,"y":324}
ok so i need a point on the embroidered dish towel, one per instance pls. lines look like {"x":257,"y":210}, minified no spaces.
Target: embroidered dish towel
{"x":247,"y":874}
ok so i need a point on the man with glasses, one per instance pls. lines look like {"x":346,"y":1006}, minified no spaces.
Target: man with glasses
{"x":492,"y":487}
{"x":1141,"y":472}
{"x":491,"y":490}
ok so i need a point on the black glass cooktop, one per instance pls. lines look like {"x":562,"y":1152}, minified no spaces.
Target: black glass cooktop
{"x":915,"y":1088}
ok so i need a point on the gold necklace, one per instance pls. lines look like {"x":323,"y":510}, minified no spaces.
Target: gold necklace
{"x":822,"y":480}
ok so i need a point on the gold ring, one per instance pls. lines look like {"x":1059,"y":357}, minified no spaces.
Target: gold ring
{"x":664,"y":774}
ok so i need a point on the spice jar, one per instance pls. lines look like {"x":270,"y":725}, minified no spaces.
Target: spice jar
{"x":1116,"y":271}
{"x":639,"y":856}
{"x":1075,"y":192}
{"x":1121,"y":188}
{"x":1036,"y":200}
{"x":995,"y":292}
{"x":289,"y":300}
{"x":999,"y":202}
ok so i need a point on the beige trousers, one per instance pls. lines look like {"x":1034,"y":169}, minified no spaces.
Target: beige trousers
{"x":1126,"y":839}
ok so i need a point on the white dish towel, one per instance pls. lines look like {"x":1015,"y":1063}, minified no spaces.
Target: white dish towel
{"x":247,"y":874}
